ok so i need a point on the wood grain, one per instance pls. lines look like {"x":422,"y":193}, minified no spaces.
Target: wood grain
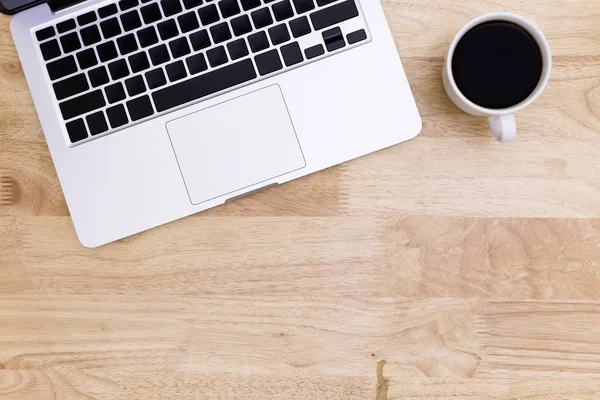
{"x":472,"y":267}
{"x":107,"y":346}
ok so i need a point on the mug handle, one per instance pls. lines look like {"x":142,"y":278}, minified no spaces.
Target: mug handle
{"x":504,"y":127}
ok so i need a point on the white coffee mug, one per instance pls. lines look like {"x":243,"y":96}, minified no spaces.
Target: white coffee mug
{"x":502,"y":121}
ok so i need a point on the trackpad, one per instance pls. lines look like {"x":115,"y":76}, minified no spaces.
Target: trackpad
{"x":235,"y":145}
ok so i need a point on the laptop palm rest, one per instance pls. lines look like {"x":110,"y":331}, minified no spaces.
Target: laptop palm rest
{"x":235,"y":145}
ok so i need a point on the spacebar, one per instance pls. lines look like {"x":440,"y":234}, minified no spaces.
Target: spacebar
{"x":204,"y":85}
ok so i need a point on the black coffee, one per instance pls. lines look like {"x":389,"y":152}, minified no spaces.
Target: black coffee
{"x":497,"y":64}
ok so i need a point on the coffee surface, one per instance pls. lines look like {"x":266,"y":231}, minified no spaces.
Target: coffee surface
{"x":497,"y":65}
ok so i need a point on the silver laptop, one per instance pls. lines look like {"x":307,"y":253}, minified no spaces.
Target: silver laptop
{"x":157,"y":109}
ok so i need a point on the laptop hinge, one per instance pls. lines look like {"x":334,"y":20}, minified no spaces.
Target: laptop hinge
{"x":57,"y":5}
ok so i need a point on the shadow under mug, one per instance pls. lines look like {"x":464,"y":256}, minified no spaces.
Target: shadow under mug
{"x":502,"y":121}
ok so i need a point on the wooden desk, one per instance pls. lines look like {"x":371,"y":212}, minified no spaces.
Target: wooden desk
{"x":472,"y":267}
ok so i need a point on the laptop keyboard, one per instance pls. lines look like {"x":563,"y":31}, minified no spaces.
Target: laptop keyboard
{"x":128,"y":62}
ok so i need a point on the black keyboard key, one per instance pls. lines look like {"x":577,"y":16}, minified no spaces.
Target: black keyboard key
{"x":114,"y":92}
{"x":117,"y":116}
{"x":200,"y":40}
{"x":291,"y":54}
{"x":191,"y":3}
{"x":127,"y":4}
{"x":179,"y":47}
{"x":76,"y":130}
{"x":159,"y":54}
{"x":334,"y":15}
{"x":139,"y":108}
{"x":70,"y":86}
{"x":300,"y":27}
{"x":61,"y":67}
{"x":268,"y":62}
{"x":86,"y":58}
{"x":229,"y":8}
{"x":283,"y":10}
{"x":333,"y":38}
{"x":106,"y":51}
{"x":356,"y":36}
{"x":138,"y":62}
{"x":107,"y":11}
{"x":314,"y":51}
{"x":167,"y":29}
{"x":118,"y":69}
{"x":204,"y":85}
{"x":303,"y":6}
{"x":196,"y":63}
{"x":50,"y":49}
{"x":258,"y":41}
{"x":188,"y":22}
{"x":90,"y":35}
{"x":86,"y":18}
{"x":237,"y":49}
{"x":171,"y":7}
{"x":147,"y":36}
{"x":250,"y":4}
{"x":216,"y":56}
{"x":135,"y":85}
{"x":151,"y":13}
{"x":45,"y":33}
{"x":261,"y":18}
{"x":82,"y":104}
{"x":70,"y":42}
{"x":208,"y":14}
{"x":156,"y":78}
{"x":279,"y":34}
{"x":127,"y":44}
{"x":131,"y":20}
{"x":96,"y":123}
{"x":241,"y":25}
{"x":110,"y":28}
{"x":176,"y":71}
{"x":322,"y":3}
{"x":98,"y":76}
{"x":65,"y":26}
{"x":220,"y":32}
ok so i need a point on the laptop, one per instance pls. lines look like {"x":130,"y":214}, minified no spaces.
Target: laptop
{"x":157,"y":109}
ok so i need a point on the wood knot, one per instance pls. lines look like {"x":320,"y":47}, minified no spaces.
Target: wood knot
{"x":556,"y":163}
{"x":11,"y":67}
{"x":10,"y":192}
{"x":592,"y":97}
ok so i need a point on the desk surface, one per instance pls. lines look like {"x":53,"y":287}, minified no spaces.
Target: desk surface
{"x":472,"y":267}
